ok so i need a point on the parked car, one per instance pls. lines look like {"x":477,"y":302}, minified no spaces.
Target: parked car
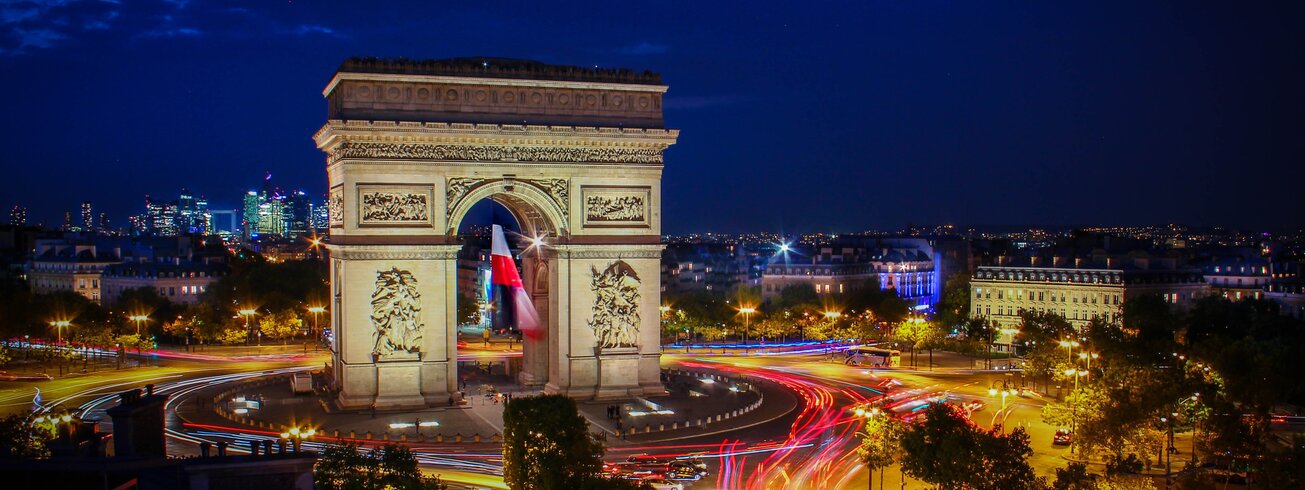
{"x":1062,"y":437}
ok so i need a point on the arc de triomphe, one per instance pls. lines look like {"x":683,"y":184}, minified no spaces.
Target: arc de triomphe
{"x":575,"y":154}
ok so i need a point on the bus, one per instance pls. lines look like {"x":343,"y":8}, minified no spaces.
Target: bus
{"x":865,"y":355}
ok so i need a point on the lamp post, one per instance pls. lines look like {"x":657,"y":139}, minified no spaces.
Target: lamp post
{"x":747,"y":312}
{"x":296,"y":435}
{"x":1070,"y":344}
{"x":58,"y":326}
{"x":1010,"y":332}
{"x":315,"y":310}
{"x":247,"y":312}
{"x":138,"y":319}
{"x":1004,"y":392}
{"x":1088,"y":356}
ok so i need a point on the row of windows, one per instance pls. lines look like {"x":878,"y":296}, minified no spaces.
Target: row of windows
{"x":67,"y":266}
{"x":1049,"y":296}
{"x":1066,"y":313}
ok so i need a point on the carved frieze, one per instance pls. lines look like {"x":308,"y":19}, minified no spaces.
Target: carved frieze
{"x":335,"y":206}
{"x":487,"y":153}
{"x":558,"y":191}
{"x":390,"y":204}
{"x":615,"y":316}
{"x":616,"y":207}
{"x":457,"y":188}
{"x":396,"y":314}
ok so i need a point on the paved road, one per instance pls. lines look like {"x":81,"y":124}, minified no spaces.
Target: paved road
{"x":811,"y":446}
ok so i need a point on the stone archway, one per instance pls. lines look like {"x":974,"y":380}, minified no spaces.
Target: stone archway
{"x":575,"y":154}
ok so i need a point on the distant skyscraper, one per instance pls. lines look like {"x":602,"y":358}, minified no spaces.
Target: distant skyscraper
{"x":18,"y":216}
{"x":249,"y":215}
{"x":104,"y":222}
{"x":321,"y":217}
{"x":298,"y":209}
{"x":161,"y":217}
{"x":88,"y":216}
{"x":68,"y":222}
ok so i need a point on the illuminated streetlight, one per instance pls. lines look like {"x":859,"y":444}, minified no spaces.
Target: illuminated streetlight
{"x":1088,"y":356}
{"x":1070,"y":344}
{"x":747,"y":312}
{"x":315,"y":310}
{"x":138,"y":319}
{"x":247,"y":312}
{"x":58,"y":326}
{"x":832,"y":315}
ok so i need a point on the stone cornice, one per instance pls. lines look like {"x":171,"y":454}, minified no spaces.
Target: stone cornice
{"x":337,"y":132}
{"x":607,"y":251}
{"x":486,"y":81}
{"x":394,"y":252}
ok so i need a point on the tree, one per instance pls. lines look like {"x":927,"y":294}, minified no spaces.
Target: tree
{"x":283,"y":325}
{"x":25,"y":435}
{"x":1074,"y":476}
{"x":948,"y":451}
{"x":880,"y":443}
{"x":954,"y":306}
{"x":547,"y":445}
{"x":468,"y":310}
{"x":348,"y":467}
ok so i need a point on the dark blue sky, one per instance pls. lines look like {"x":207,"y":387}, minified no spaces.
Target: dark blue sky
{"x":794,"y":116}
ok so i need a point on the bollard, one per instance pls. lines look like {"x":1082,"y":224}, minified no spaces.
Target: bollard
{"x":661,"y":427}
{"x":353,"y":435}
{"x":647,"y":428}
{"x":475,"y":437}
{"x":457,"y":437}
{"x":253,"y":448}
{"x":368,"y":436}
{"x":402,"y":437}
{"x":222,"y":448}
{"x":385,"y":436}
{"x":439,"y":438}
{"x":495,"y":438}
{"x":335,"y":434}
{"x":204,"y":448}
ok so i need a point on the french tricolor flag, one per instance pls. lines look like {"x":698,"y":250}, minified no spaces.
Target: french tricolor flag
{"x":503,"y":272}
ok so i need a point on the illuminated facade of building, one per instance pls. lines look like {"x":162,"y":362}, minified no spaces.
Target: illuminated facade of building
{"x":178,"y":281}
{"x":1078,"y":290}
{"x":905,"y":265}
{"x":64,"y":265}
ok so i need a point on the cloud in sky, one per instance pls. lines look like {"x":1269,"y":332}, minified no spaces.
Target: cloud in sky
{"x":29,"y":26}
{"x":643,"y":48}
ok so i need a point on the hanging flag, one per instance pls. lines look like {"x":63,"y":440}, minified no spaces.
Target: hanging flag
{"x":503,"y":272}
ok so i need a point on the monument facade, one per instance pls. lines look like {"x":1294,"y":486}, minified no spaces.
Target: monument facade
{"x":575,"y":154}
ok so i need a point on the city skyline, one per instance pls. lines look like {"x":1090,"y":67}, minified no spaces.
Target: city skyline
{"x":1108,"y":114}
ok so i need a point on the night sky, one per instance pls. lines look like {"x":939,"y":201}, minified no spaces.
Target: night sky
{"x":795,"y":116}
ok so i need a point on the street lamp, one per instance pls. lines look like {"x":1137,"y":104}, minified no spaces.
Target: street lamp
{"x":315,"y":310}
{"x":138,"y":319}
{"x":247,"y":312}
{"x":1088,"y":356}
{"x":747,"y":312}
{"x":1076,"y":373}
{"x":1070,"y":344}
{"x":58,"y":326}
{"x":297,"y":435}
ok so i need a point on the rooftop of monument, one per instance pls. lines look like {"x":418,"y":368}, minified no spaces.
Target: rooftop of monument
{"x":488,"y":67}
